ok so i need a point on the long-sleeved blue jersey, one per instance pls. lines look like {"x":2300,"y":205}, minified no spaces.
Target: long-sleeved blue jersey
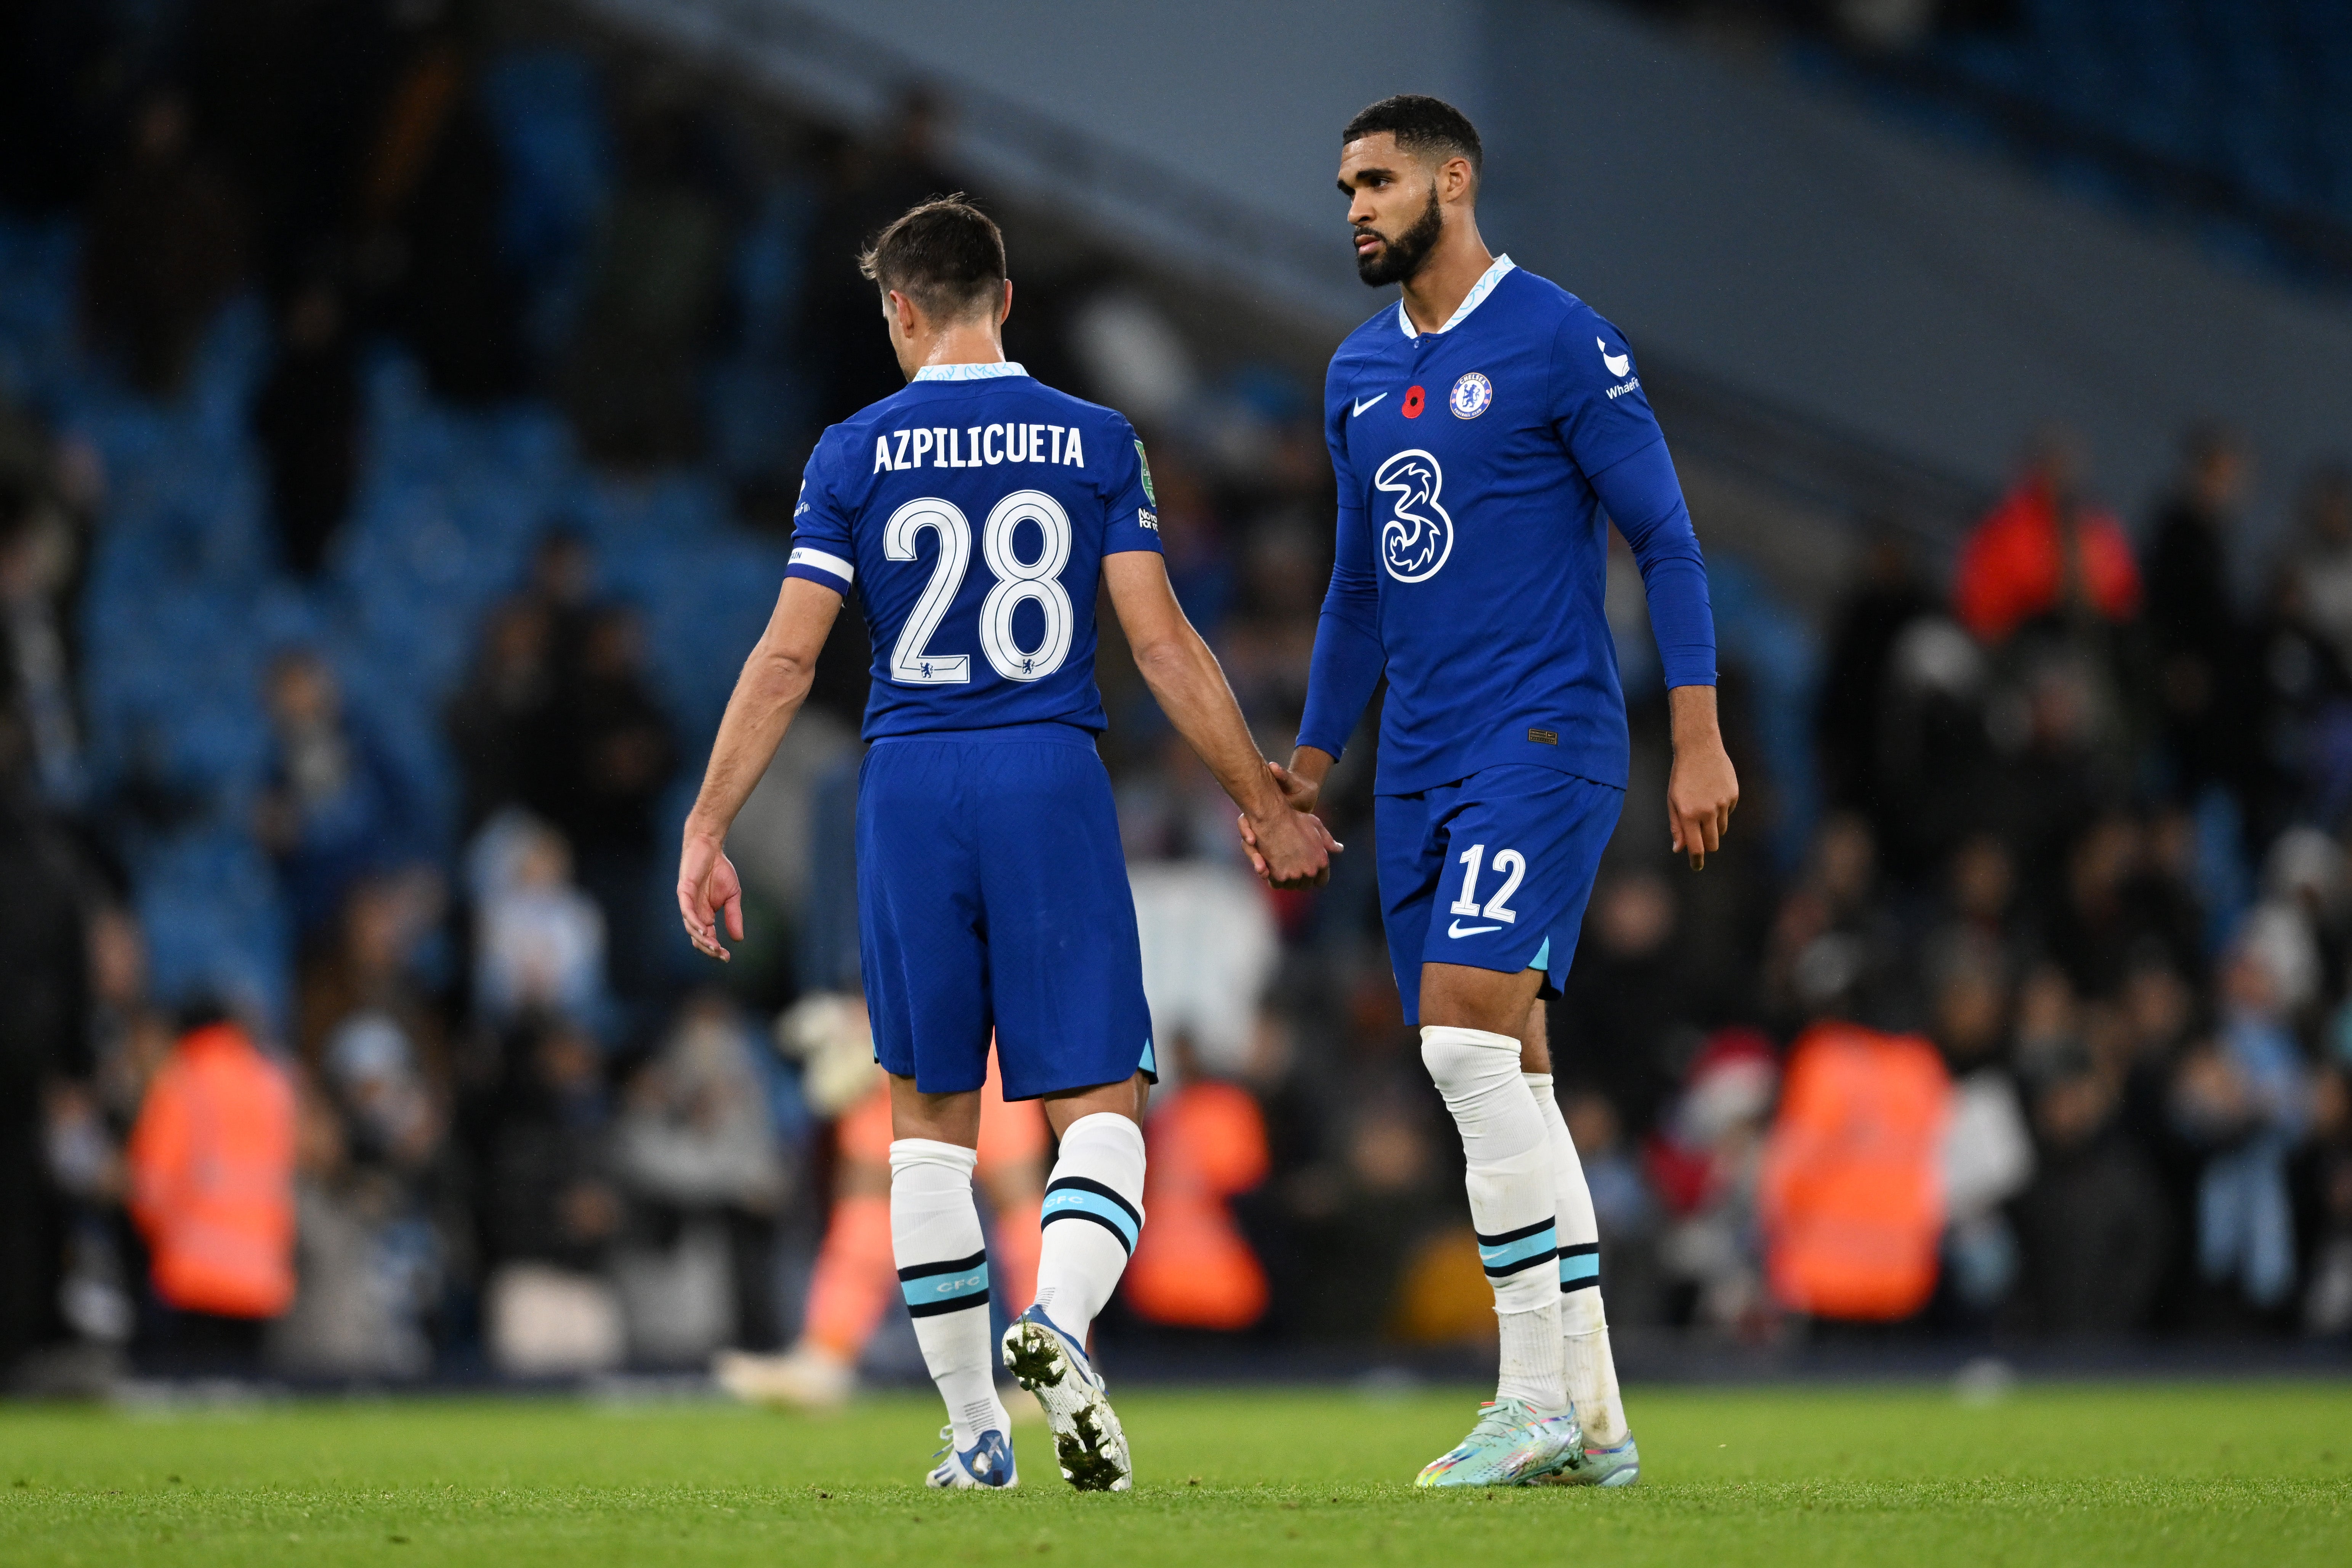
{"x":1478,"y":467}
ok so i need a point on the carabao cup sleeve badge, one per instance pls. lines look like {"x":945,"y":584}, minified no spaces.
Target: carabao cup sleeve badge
{"x":1470,"y":396}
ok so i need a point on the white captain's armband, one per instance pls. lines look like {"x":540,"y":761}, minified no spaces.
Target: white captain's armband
{"x":817,"y":560}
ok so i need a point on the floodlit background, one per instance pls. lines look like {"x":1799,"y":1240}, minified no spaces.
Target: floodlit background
{"x":401,"y":404}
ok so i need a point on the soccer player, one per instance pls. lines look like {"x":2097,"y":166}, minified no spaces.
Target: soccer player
{"x":977,"y":513}
{"x":1483,"y":430}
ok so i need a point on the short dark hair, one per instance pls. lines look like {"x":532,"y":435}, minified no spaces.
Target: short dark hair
{"x":945,"y":254}
{"x":1421,"y":124}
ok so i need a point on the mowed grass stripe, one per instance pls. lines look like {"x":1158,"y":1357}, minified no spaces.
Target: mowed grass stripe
{"x":2139,"y":1475}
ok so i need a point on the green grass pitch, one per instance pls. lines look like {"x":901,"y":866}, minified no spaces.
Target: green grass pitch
{"x":2258,"y":1474}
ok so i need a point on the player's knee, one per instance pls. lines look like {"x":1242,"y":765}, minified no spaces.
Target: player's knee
{"x":1467,"y":1063}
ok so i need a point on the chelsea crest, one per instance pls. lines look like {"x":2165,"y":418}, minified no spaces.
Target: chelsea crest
{"x":1470,"y":396}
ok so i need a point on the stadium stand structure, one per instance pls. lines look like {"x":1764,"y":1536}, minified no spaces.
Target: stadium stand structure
{"x":2233,"y":119}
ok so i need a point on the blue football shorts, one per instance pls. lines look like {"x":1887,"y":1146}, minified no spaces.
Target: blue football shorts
{"x":993,"y":897}
{"x":1492,"y":871}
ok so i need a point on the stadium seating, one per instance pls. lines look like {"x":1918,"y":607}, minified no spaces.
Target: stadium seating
{"x":186,"y":602}
{"x":2250,"y":103}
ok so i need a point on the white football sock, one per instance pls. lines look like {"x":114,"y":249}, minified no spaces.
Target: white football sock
{"x":1508,"y":1156}
{"x":943,"y":1272}
{"x":1591,"y":1369}
{"x":1093,"y":1214}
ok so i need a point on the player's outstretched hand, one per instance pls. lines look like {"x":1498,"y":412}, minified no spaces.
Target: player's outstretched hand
{"x":1701,"y":795}
{"x":1291,"y":848}
{"x":707,"y":884}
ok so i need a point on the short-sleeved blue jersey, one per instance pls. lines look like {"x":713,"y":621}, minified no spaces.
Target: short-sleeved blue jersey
{"x":1478,"y":467}
{"x":971,"y":510}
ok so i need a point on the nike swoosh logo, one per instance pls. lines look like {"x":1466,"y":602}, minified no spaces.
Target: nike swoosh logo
{"x":1367,"y":402}
{"x":1459,"y":929}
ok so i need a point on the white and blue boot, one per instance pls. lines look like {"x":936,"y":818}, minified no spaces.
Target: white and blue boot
{"x":1087,"y":1437}
{"x":987,"y":1463}
{"x":1617,"y":1466}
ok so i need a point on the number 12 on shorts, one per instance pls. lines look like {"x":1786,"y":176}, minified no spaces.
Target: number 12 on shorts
{"x":1509,"y":864}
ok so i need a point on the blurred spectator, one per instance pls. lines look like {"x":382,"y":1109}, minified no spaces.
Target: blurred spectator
{"x":563,"y":586}
{"x":308,"y":420}
{"x":655,"y":291}
{"x":1707,"y":1160}
{"x":212,"y":1171}
{"x":432,"y":185}
{"x":616,"y":753}
{"x":371,"y":967}
{"x":550,"y":1208}
{"x":694,"y":1148}
{"x":1851,"y":1198}
{"x":2063,"y":762}
{"x":37,"y":701}
{"x":1623,"y":1028}
{"x":368,"y":1256}
{"x":165,"y":250}
{"x":45,"y":1065}
{"x":2246,"y":1099}
{"x":2046,"y":550}
{"x":1833,"y":935}
{"x":336,"y":808}
{"x":2095,"y":1220}
{"x":1934,"y":758}
{"x":1858,"y":666}
{"x":539,"y":941}
{"x":2120,"y":906}
{"x":550,"y":1195}
{"x":497,"y":721}
{"x":1209,"y":936}
{"x":2321,"y":562}
{"x":2328,"y":1307}
{"x":2203,"y":679}
{"x":1987,"y":1149}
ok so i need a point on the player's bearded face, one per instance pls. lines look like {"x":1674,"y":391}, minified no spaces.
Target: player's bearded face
{"x":1399,"y":258}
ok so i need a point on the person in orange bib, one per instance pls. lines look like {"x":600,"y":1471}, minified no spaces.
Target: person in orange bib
{"x":210,"y":1161}
{"x":1852,"y":1199}
{"x":856,"y":1274}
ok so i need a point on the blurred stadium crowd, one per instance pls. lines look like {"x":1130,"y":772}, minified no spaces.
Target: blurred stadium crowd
{"x":400,"y":412}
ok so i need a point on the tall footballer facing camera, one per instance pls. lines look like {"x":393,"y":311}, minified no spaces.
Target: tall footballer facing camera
{"x":978,"y":514}
{"x":1484,"y":431}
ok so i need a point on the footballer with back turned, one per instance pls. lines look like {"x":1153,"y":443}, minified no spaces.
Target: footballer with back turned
{"x":979,"y":514}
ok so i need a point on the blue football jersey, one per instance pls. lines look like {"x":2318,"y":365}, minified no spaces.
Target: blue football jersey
{"x":1478,"y":467}
{"x":972,"y":511}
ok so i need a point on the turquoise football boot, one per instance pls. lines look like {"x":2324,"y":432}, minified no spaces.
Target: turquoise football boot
{"x":1617,"y":1466}
{"x":1087,"y":1438}
{"x":987,"y":1463}
{"x":1512,"y":1444}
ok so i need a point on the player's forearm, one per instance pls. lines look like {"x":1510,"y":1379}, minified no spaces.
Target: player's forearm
{"x":1311,"y":764}
{"x":1341,"y":674}
{"x":1190,"y":688}
{"x":767,"y":694}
